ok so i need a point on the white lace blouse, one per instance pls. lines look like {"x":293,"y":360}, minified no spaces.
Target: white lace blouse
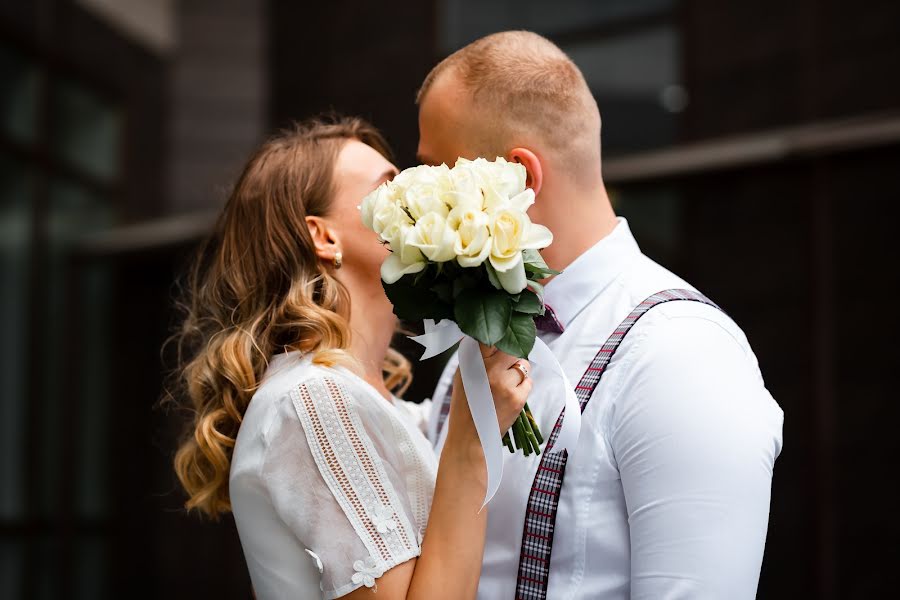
{"x":330,"y":483}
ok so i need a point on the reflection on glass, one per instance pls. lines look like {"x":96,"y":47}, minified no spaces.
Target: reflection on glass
{"x":18,"y":100}
{"x":15,"y":238}
{"x":86,"y":129}
{"x":90,"y":572}
{"x":94,"y":289}
{"x":464,"y":21}
{"x":636,"y":79}
{"x":11,"y":569}
{"x":47,"y":551}
{"x":73,"y":211}
{"x":654,"y":216}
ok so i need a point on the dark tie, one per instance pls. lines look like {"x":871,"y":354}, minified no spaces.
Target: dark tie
{"x":548,"y":321}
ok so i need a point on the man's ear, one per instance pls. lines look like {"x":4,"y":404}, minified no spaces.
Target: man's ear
{"x":535,"y":175}
{"x":324,"y":238}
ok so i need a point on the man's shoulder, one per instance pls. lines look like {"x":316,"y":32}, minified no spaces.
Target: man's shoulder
{"x":645,"y":278}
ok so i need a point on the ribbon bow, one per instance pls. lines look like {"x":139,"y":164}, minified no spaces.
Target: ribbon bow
{"x":439,"y":337}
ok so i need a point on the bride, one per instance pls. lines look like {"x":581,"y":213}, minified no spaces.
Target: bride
{"x":297,"y":424}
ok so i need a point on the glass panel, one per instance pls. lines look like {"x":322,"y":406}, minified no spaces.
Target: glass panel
{"x":654,"y":216}
{"x":90,"y":569}
{"x":12,"y":556}
{"x":95,"y":288}
{"x":73,"y":211}
{"x":463,"y":21}
{"x":86,"y":129}
{"x":15,"y":239}
{"x":47,"y":563}
{"x":636,"y":79}
{"x":18,"y":102}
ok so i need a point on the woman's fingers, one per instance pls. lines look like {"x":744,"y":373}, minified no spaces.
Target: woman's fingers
{"x":487,"y":351}
{"x":510,"y":382}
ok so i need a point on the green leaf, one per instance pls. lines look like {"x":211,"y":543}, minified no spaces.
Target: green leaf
{"x":529,"y":303}
{"x":519,"y":338}
{"x":463,"y":283}
{"x":443,"y":291}
{"x":537,"y":288}
{"x":534,"y":263}
{"x":533,"y":257}
{"x":483,"y":316}
{"x":492,"y":275}
{"x":540,"y":273}
{"x":415,"y":302}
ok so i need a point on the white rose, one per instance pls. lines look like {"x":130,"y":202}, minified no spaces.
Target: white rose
{"x":422,"y":189}
{"x":511,"y":232}
{"x":387,"y":215}
{"x":497,"y":180}
{"x":473,"y":236}
{"x":374,"y":201}
{"x":423,"y":198}
{"x":420,"y":174}
{"x":433,"y":236}
{"x":404,"y":258}
{"x":500,"y":181}
{"x":396,"y":235}
{"x":466,"y":186}
{"x":392,"y":269}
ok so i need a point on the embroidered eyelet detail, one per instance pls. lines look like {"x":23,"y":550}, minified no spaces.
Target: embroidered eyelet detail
{"x":316,"y":560}
{"x":383,"y":519}
{"x":366,"y":572}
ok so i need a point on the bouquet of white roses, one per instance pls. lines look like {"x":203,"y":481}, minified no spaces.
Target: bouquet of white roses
{"x":463,"y":248}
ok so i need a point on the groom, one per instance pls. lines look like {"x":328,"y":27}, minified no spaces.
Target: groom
{"x":667,"y":493}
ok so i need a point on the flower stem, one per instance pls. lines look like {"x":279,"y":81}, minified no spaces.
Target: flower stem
{"x":529,"y":433}
{"x":508,"y":443}
{"x":534,"y":425}
{"x":521,"y":423}
{"x":517,"y":434}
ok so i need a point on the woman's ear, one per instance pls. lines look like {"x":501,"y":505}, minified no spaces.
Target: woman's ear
{"x":535,"y":175}
{"x":325,"y":239}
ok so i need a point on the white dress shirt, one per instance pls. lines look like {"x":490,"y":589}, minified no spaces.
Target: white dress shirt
{"x":667,"y":492}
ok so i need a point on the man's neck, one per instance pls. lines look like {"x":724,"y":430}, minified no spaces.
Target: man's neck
{"x":578,"y":220}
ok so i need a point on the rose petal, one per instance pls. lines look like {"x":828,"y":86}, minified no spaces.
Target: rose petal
{"x":538,"y":237}
{"x":392,"y":269}
{"x":513,"y":280}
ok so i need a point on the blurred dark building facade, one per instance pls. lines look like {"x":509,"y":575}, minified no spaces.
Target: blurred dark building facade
{"x":752,"y":145}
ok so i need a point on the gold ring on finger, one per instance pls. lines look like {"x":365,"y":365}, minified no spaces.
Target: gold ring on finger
{"x":521,"y":368}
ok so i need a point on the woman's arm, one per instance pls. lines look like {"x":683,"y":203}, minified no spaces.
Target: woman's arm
{"x":449,"y":565}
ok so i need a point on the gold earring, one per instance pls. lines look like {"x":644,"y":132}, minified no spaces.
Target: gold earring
{"x":338,"y":260}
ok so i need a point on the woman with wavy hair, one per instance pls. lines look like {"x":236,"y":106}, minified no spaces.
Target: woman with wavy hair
{"x":286,"y":365}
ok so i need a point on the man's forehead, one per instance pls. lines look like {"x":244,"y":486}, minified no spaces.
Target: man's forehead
{"x":446,"y":96}
{"x":444,"y":117}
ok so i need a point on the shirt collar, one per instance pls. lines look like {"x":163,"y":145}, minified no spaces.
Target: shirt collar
{"x":570,"y":292}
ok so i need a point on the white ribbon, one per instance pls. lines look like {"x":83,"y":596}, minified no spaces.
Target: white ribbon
{"x":441,"y":336}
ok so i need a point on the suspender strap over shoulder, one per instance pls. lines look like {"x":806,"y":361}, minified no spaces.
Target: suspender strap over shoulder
{"x":543,"y":499}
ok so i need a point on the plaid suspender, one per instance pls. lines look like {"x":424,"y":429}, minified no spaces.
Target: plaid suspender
{"x":445,"y":411}
{"x":543,"y":500}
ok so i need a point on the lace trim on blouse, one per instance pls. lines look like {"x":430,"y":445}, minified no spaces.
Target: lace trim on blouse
{"x":354,"y":473}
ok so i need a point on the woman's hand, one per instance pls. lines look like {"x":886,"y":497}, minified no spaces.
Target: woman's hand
{"x":509,"y":386}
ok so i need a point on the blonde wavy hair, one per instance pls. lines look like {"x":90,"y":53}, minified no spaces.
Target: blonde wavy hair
{"x":256,"y":288}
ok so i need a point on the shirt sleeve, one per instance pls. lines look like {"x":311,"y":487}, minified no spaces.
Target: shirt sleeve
{"x":338,"y":486}
{"x":418,"y":413}
{"x":695,"y":435}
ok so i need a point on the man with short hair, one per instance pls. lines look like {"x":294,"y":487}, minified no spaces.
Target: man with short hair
{"x":667,"y":492}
